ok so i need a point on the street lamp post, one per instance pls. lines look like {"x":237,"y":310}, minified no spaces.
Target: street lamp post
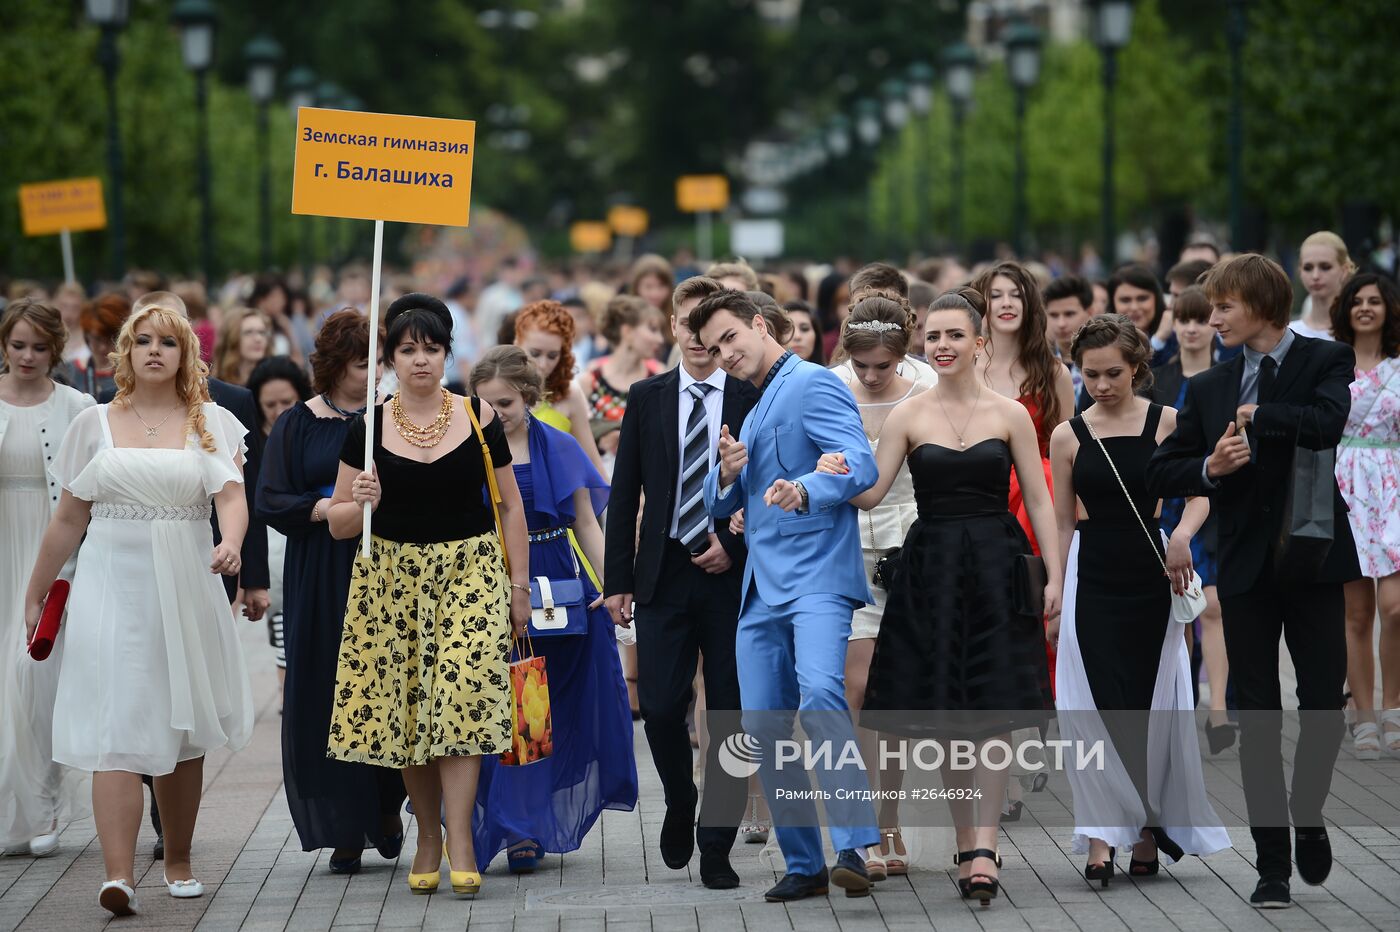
{"x":196,"y":19}
{"x":960,"y":67}
{"x":921,"y":102}
{"x":1235,"y":31}
{"x":262,"y":55}
{"x":896,"y":111}
{"x":110,"y":16}
{"x":1023,"y":66}
{"x":1113,"y":26}
{"x":301,"y":92}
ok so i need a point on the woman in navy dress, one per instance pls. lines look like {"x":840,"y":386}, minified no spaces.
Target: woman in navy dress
{"x":334,"y":804}
{"x":549,"y":805}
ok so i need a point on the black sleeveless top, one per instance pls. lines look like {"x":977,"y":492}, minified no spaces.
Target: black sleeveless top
{"x":431,"y":503}
{"x":1094,"y":481}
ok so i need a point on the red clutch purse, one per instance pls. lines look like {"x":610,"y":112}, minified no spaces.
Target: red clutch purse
{"x":47,"y":632}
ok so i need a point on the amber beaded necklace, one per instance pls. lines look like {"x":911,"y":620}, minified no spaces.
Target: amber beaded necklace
{"x":424,"y":437}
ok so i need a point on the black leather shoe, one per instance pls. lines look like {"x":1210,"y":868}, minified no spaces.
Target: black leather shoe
{"x":1271,"y":894}
{"x":678,"y":834}
{"x":1313,"y":852}
{"x":798,"y":887}
{"x":850,"y":874}
{"x":350,"y":865}
{"x":158,"y":852}
{"x":715,"y":871}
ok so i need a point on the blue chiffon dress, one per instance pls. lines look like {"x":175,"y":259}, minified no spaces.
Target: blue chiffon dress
{"x":334,"y":804}
{"x":554,"y":802}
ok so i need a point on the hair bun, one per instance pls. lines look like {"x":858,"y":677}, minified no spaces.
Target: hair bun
{"x":417,"y":301}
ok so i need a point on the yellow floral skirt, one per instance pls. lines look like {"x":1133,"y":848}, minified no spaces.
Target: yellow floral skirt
{"x":424,"y":668}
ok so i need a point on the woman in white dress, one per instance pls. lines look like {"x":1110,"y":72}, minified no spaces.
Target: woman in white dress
{"x":875,"y":342}
{"x":1323,"y":267}
{"x":153,"y":676}
{"x":35,"y":411}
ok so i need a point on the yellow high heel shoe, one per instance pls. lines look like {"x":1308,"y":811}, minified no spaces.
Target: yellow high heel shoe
{"x":426,"y":882}
{"x":464,"y":882}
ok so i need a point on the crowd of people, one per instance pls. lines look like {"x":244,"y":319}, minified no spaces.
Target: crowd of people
{"x":936,"y":501}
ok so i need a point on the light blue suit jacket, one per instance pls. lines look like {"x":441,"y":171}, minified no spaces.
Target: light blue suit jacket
{"x":806,"y":411}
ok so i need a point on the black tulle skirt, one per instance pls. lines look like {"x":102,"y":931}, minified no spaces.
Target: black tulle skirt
{"x":953,"y":657}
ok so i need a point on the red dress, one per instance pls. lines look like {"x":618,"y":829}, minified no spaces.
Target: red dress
{"x":1017,"y":506}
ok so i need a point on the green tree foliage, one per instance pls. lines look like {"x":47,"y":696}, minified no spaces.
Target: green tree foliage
{"x":1164,"y":138}
{"x":1321,"y":118}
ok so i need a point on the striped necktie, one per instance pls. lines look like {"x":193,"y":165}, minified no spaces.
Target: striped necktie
{"x":695,"y":463}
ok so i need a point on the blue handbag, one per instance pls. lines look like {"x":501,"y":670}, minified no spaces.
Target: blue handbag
{"x":557,"y":607}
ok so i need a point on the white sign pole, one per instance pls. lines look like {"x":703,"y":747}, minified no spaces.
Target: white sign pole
{"x":373,"y":355}
{"x":65,"y":239}
{"x":704,"y":244}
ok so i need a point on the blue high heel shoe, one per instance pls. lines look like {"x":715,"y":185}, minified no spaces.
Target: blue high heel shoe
{"x":524,"y":857}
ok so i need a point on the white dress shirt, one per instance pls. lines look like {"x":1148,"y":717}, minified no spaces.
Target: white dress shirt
{"x":714,"y":411}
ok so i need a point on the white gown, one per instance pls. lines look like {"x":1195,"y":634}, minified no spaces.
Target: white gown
{"x":34,"y":791}
{"x":1176,"y":780}
{"x":153,"y":673}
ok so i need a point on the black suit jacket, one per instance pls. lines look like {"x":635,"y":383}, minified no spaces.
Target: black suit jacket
{"x":1308,"y":408}
{"x":648,"y":460}
{"x":238,"y":401}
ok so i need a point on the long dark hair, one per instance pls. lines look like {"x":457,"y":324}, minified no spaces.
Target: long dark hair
{"x":1390,"y":296}
{"x":1036,"y":358}
{"x":270,"y":370}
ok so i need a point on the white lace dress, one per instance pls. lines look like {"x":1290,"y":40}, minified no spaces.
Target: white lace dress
{"x":153,"y":673}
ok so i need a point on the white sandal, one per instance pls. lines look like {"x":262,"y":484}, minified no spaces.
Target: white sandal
{"x":1390,"y":724}
{"x":117,"y":897}
{"x":755,"y":831}
{"x":1366,"y":742}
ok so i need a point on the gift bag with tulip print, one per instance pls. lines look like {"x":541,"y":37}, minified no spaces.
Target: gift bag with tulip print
{"x":533,"y":738}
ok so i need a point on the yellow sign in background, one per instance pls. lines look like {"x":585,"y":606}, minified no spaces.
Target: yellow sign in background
{"x":590,"y":236}
{"x":628,"y":221}
{"x":697,"y":194}
{"x":382,"y":166}
{"x":51,"y":207}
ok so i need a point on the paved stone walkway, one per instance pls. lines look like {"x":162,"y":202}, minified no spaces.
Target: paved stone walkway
{"x":259,"y":880}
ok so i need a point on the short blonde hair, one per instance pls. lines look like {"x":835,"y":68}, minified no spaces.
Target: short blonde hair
{"x":1332,"y":241}
{"x":736,"y":269}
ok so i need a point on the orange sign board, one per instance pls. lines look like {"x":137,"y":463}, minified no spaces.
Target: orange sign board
{"x":383,"y":166}
{"x":702,"y":193}
{"x":628,"y":221}
{"x":51,"y":207}
{"x":590,"y":236}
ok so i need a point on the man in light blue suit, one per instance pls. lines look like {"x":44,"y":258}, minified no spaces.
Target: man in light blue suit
{"x":803,"y":579}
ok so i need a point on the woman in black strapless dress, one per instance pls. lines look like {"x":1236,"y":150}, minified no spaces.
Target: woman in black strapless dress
{"x":1119,"y":650}
{"x":954,"y":659}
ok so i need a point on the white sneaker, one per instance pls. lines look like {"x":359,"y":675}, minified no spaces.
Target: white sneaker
{"x":44,"y":845}
{"x":183,"y":889}
{"x":117,"y":898}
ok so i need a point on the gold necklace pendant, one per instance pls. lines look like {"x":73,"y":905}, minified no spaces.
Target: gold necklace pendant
{"x":423,"y":437}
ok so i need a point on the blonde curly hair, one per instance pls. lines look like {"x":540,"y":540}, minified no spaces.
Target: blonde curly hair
{"x":191,"y":380}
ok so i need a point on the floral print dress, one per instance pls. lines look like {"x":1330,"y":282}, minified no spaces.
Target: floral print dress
{"x":1368,"y":468}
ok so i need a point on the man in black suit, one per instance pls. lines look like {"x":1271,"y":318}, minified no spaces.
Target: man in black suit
{"x":1235,"y":440}
{"x":253,"y":576}
{"x":682,"y":575}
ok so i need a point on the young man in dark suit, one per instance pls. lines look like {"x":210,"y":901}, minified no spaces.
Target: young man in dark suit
{"x":679,"y":579}
{"x":1235,"y":440}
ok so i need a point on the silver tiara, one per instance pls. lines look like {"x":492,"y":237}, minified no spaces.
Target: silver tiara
{"x":875,"y":326}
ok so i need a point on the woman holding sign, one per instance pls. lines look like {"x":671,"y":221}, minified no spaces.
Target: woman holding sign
{"x":422,"y":683}
{"x":549,"y":805}
{"x":35,"y":411}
